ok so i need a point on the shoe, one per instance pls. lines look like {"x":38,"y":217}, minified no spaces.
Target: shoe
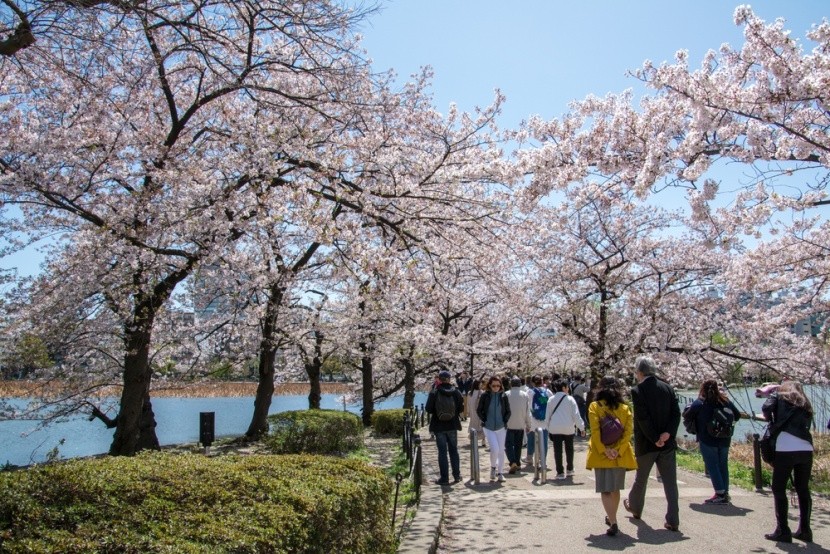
{"x":779,"y":536}
{"x":717,"y":499}
{"x":627,"y":506}
{"x":442,"y":483}
{"x":514,"y":467}
{"x":613,"y":530}
{"x":492,"y":474}
{"x":671,"y":527}
{"x":501,"y":478}
{"x":569,"y":473}
{"x":560,"y":476}
{"x":804,"y":536}
{"x":607,"y":521}
{"x":456,"y":480}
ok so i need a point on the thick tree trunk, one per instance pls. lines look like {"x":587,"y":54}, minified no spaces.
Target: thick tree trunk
{"x":367,"y":374}
{"x":264,"y":393}
{"x":267,"y":362}
{"x":409,"y":382}
{"x":409,"y":391}
{"x":313,"y":370}
{"x":136,"y":424}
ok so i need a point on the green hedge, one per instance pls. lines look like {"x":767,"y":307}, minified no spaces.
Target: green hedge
{"x":189,"y":503}
{"x":314,"y":431}
{"x":388,"y":422}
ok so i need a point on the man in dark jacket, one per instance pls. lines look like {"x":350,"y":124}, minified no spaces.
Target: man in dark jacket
{"x":656,"y":419}
{"x":446,"y":430}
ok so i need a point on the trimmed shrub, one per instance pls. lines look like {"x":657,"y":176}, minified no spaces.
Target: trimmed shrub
{"x":388,"y":422}
{"x":188,"y":503}
{"x":331,"y":432}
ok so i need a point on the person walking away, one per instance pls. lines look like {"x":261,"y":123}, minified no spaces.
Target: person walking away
{"x":610,"y":462}
{"x":464,"y":384}
{"x":538,"y":397}
{"x":494,"y":412}
{"x":444,"y":404}
{"x":656,"y":419}
{"x":472,"y":409}
{"x":580,"y":394}
{"x":791,"y":414}
{"x":518,"y":425}
{"x":714,"y":417}
{"x":562,"y":421}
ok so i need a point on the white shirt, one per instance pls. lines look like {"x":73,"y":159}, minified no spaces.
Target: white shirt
{"x":566,"y":418}
{"x":787,"y":442}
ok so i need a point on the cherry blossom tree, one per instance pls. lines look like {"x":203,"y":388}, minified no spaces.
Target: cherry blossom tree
{"x":138,"y":140}
{"x":761,"y":106}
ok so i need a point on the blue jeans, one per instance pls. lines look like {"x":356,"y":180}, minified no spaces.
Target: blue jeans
{"x":716,"y":459}
{"x":447,"y":442}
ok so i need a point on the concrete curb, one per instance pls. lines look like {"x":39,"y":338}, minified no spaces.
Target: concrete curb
{"x":423,"y":532}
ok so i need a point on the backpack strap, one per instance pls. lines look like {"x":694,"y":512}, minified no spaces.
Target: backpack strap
{"x":554,"y":411}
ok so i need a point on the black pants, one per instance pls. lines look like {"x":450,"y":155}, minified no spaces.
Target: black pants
{"x":513,"y":445}
{"x":568,"y":441}
{"x":799,"y":465}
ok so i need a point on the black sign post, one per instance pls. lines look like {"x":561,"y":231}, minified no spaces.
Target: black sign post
{"x":206,"y":420}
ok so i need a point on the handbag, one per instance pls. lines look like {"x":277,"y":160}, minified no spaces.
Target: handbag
{"x":767,"y":444}
{"x":610,"y":430}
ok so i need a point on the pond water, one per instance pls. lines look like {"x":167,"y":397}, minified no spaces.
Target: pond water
{"x":23,"y":443}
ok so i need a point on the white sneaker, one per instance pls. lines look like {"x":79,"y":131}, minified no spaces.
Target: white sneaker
{"x":569,"y":473}
{"x":560,"y":476}
{"x":492,"y":474}
{"x":501,"y":478}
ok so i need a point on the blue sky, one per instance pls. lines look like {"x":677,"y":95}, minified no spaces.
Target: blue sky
{"x":544,"y":54}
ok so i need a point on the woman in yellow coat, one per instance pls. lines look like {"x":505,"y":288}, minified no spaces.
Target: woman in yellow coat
{"x":610,"y":462}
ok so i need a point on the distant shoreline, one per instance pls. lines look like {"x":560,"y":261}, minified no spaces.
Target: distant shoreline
{"x":162,"y":389}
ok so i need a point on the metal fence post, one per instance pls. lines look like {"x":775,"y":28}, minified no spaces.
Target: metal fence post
{"x":405,"y":438}
{"x":539,"y":462}
{"x":474,"y":463}
{"x":418,"y":470}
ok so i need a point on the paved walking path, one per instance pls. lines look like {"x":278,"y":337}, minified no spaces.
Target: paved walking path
{"x":523,"y":514}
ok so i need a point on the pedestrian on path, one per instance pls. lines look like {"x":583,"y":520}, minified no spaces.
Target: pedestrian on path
{"x":610,"y":462}
{"x":472,"y":409}
{"x":445,"y":404}
{"x":792,"y":414}
{"x":538,"y":397}
{"x":656,"y":419}
{"x":714,"y":443}
{"x":518,"y":425}
{"x":563,"y":420}
{"x":580,"y":392}
{"x":494,"y":412}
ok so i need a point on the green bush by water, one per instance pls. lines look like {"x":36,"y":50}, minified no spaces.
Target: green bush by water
{"x":189,"y":503}
{"x":388,"y":423}
{"x":314,"y":431}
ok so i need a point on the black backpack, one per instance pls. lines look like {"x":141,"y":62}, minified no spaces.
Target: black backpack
{"x":722,"y":423}
{"x":445,"y":404}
